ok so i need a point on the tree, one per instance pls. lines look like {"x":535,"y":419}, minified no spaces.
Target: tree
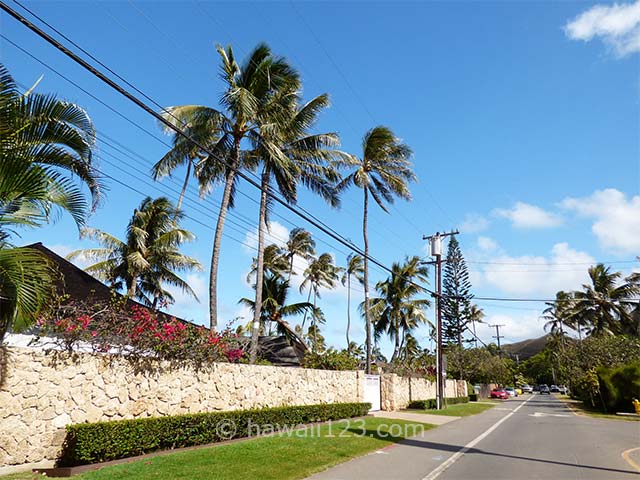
{"x":42,"y":140}
{"x":603,"y":305}
{"x":289,"y":155}
{"x":275,"y":262}
{"x":397,"y":311}
{"x":321,"y":273}
{"x":275,"y":307}
{"x":383,"y":172}
{"x":355,"y":268}
{"x":248,"y":89}
{"x":558,"y":314}
{"x":456,"y":301}
{"x":476,"y":315}
{"x":148,"y":258}
{"x":300,"y":244}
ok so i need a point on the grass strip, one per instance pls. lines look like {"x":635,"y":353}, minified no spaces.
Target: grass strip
{"x":459,"y":410}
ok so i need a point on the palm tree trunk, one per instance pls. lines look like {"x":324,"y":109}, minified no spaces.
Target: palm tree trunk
{"x":348,"y":311}
{"x":217,"y":239}
{"x":304,"y":319}
{"x":253,"y":353}
{"x":475,"y":338}
{"x":313,"y":324}
{"x":366,"y":278}
{"x":184,"y":186}
{"x":290,"y":269}
{"x":133,"y":288}
{"x":396,"y":348}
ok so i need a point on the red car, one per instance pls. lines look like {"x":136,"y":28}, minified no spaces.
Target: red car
{"x":499,"y":393}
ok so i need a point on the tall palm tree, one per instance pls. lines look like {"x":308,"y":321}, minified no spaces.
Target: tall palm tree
{"x":289,"y":155}
{"x":300,"y":244}
{"x":321,"y":273}
{"x":602,"y":305}
{"x":148,"y":258}
{"x":275,"y":263}
{"x":557,"y":314}
{"x":396,"y":310}
{"x":42,"y":140}
{"x":355,"y":268}
{"x":248,"y":89}
{"x":383,"y":172}
{"x":475,"y":315}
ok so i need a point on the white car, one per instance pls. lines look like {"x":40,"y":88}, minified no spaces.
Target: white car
{"x":511,"y":391}
{"x":527,"y":389}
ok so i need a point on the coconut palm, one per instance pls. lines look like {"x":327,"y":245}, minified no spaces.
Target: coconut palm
{"x":475,"y":315}
{"x":300,"y":244}
{"x":383,"y":172}
{"x":321,"y":273}
{"x":396,"y":311}
{"x":275,"y":308}
{"x":289,"y":156}
{"x":275,"y":263}
{"x":602,"y":306}
{"x":42,"y":140}
{"x":557,"y":314}
{"x":148,"y":258}
{"x":355,"y":268}
{"x":248,"y":89}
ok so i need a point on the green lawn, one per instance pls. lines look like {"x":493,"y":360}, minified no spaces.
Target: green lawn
{"x":292,"y":456}
{"x":459,"y":409}
{"x":583,"y":409}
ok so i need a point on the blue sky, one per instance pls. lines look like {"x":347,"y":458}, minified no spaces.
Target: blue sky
{"x":523,"y":117}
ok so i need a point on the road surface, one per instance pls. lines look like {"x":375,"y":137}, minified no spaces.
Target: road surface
{"x":532,"y":437}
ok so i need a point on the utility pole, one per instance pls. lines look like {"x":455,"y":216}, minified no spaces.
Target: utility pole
{"x":435,"y":241}
{"x":498,"y":337}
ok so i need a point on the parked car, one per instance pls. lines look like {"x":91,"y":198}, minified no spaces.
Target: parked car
{"x":511,"y":391}
{"x":563,"y":389}
{"x":499,"y":393}
{"x":554,"y":389}
{"x":536,"y":388}
{"x":544,"y":389}
{"x":527,"y":389}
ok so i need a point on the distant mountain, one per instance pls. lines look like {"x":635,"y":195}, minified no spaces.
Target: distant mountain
{"x":526,"y":348}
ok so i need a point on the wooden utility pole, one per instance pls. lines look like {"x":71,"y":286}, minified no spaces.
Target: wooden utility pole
{"x":435,"y":242}
{"x":498,"y":337}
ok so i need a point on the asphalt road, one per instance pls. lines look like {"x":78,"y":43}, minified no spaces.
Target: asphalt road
{"x":531,"y":437}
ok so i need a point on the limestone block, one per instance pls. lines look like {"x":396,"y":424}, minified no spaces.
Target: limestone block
{"x":61,"y":420}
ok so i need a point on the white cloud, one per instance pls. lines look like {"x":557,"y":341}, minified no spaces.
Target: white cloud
{"x":618,"y":25}
{"x":516,"y":327}
{"x":474,"y":223}
{"x":564,"y":269}
{"x":277,"y":233}
{"x":617,"y":219}
{"x":487,"y":244}
{"x":523,"y":215}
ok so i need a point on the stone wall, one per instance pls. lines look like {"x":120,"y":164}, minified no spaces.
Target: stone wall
{"x":42,"y":392}
{"x":398,"y":392}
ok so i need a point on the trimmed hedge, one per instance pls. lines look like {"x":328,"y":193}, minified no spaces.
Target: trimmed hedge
{"x":430,"y":404}
{"x":103,"y":441}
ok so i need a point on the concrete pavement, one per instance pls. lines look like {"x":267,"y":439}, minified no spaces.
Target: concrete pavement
{"x":533,"y":437}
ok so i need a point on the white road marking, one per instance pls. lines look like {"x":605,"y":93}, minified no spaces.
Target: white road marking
{"x":541,"y":414}
{"x":456,"y":456}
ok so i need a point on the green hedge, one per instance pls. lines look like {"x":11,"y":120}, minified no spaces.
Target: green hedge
{"x":473,"y":397}
{"x":430,"y":404}
{"x":103,"y":441}
{"x":619,"y":386}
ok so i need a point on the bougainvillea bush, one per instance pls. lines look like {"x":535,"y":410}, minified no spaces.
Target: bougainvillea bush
{"x":124,"y":327}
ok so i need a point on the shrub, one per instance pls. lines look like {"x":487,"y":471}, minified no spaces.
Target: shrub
{"x":430,"y":404}
{"x":330,"y":360}
{"x":619,"y":386}
{"x":103,"y":441}
{"x":473,"y":397}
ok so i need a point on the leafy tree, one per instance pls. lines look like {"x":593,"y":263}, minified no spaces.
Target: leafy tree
{"x":456,"y":301}
{"x":248,"y":90}
{"x":397,"y":311}
{"x":479,"y":365}
{"x":383,"y":171}
{"x":42,"y":140}
{"x":149,"y":256}
{"x":290,"y":155}
{"x":355,"y":269}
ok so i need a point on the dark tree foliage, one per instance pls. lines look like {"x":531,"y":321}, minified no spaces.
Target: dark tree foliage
{"x":456,"y":301}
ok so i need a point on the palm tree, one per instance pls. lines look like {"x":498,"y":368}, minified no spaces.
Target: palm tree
{"x":396,"y":310}
{"x":321,"y":273}
{"x":275,"y":307}
{"x":290,"y":155}
{"x":355,"y":268}
{"x":42,"y":140}
{"x":603,"y":305}
{"x":300,"y":243}
{"x":275,"y":262}
{"x":248,"y":89}
{"x":475,"y":315}
{"x":557,"y":313}
{"x":149,"y":256}
{"x":383,"y":172}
